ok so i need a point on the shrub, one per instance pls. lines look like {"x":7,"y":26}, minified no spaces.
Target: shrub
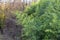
{"x":2,"y":20}
{"x":41,"y":21}
{"x":2,"y":16}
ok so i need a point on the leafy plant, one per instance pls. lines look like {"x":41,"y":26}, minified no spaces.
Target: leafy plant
{"x":2,"y":19}
{"x":41,"y":21}
{"x":2,"y":16}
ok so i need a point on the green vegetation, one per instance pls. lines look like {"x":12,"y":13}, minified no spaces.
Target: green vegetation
{"x":2,"y":18}
{"x":41,"y":21}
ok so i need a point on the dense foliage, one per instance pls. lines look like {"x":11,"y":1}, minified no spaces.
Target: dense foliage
{"x":2,"y":18}
{"x":41,"y":21}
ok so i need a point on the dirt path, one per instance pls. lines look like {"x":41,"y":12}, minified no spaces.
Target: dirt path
{"x":4,"y":37}
{"x":12,"y":29}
